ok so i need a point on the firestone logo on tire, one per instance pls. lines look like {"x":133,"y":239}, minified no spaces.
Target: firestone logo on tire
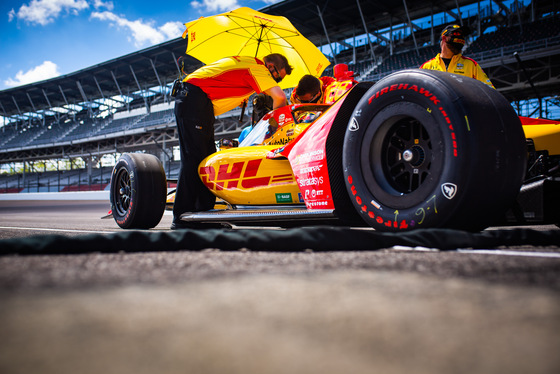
{"x":449,"y":190}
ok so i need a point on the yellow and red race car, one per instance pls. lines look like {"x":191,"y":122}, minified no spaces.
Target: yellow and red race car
{"x":418,"y":149}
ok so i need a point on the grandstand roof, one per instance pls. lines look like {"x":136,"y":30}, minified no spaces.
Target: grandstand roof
{"x":342,"y":18}
{"x":156,"y":66}
{"x":125,"y":75}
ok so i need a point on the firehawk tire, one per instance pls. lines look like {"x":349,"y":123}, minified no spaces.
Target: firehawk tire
{"x":138,"y":191}
{"x":431,"y":149}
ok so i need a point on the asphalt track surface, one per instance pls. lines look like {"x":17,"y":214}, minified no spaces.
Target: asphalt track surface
{"x":395,"y":310}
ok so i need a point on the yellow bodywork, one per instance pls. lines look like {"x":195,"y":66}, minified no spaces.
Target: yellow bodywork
{"x":545,"y":137}
{"x":245,"y":176}
{"x":254,"y":175}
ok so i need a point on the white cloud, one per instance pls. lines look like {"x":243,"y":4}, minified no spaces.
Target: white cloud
{"x":142,"y":33}
{"x":44,"y":71}
{"x":172,"y":29}
{"x":43,"y":12}
{"x":98,"y":4}
{"x":215,"y":6}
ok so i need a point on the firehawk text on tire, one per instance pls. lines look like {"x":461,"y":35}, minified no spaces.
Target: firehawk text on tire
{"x":138,"y":191}
{"x":431,"y":149}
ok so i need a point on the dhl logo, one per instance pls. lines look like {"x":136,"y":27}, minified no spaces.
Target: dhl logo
{"x":241,"y":174}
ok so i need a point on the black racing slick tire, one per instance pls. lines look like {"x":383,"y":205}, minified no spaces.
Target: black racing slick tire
{"x":430,"y":149}
{"x":138,"y":191}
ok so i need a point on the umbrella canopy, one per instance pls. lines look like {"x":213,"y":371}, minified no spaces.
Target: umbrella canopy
{"x":246,"y":32}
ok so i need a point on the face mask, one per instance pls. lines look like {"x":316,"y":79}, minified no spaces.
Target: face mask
{"x":277,"y":80}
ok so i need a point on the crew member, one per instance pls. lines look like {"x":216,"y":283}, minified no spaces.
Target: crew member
{"x":208,"y":92}
{"x":310,"y":89}
{"x":451,"y":60}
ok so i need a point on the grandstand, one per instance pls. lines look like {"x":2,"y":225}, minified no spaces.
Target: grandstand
{"x":91,"y":116}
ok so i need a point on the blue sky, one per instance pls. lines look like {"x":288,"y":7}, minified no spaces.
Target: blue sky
{"x":42,"y":39}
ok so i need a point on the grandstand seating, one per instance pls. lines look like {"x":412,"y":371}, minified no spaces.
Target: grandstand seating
{"x":115,"y":125}
{"x":81,"y":131}
{"x":37,"y":134}
{"x":526,"y":33}
{"x":68,"y":180}
{"x":504,"y":41}
{"x":155,"y":118}
{"x":57,"y":181}
{"x":7,"y":134}
{"x":51,"y":135}
{"x":90,"y":129}
{"x":24,"y":136}
{"x":406,"y":60}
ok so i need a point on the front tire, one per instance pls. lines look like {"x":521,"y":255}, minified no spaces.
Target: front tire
{"x":431,"y":149}
{"x":138,"y":191}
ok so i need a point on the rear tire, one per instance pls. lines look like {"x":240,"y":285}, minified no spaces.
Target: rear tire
{"x":431,"y":149}
{"x":138,"y":191}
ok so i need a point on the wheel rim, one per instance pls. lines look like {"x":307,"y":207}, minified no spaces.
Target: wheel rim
{"x":406,"y":155}
{"x":122,"y":192}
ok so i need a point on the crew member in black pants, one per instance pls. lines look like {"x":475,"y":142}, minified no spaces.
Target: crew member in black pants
{"x":195,"y":124}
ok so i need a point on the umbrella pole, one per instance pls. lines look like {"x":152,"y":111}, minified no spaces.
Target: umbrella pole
{"x":259,"y":40}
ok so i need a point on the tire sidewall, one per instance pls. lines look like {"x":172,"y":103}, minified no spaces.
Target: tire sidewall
{"x":148,"y":190}
{"x":125,"y":164}
{"x":430,"y":102}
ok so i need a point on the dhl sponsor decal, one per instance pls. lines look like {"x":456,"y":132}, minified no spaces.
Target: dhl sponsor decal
{"x":241,"y":174}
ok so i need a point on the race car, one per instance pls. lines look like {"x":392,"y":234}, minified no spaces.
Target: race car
{"x":417,"y":149}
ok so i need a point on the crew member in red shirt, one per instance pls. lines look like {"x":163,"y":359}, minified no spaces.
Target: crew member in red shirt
{"x":208,"y":92}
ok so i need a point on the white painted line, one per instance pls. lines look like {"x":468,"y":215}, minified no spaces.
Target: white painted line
{"x":57,"y":230}
{"x":511,"y":253}
{"x":414,"y":249}
{"x":481,"y":251}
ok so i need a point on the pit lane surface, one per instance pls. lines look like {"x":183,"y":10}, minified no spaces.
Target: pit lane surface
{"x":391,"y":311}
